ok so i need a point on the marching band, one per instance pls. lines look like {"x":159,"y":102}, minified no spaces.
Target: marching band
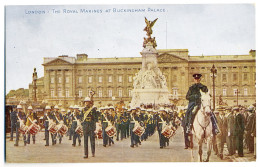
{"x":105,"y":123}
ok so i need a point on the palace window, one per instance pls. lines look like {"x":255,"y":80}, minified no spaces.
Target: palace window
{"x":80,"y":93}
{"x":110,"y":93}
{"x":120,"y":78}
{"x":90,"y":79}
{"x":52,"y":93}
{"x":130,"y":93}
{"x":224,"y":77}
{"x":99,"y":92}
{"x":52,"y":80}
{"x":224,"y":91}
{"x":59,"y":92}
{"x":67,"y":93}
{"x":100,"y":79}
{"x":245,"y":91}
{"x":175,"y":92}
{"x":80,"y":79}
{"x":67,"y":80}
{"x":120,"y":92}
{"x":59,"y":79}
{"x":130,"y":78}
{"x":110,"y":78}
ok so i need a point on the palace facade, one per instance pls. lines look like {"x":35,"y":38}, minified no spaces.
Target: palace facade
{"x":68,"y":80}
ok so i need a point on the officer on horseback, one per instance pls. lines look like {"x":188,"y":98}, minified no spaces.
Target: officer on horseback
{"x":193,"y":95}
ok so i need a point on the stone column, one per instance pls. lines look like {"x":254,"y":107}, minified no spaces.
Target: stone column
{"x":55,"y":83}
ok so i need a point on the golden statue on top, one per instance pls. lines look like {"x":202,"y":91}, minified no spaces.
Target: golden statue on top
{"x":149,"y":31}
{"x":149,"y":25}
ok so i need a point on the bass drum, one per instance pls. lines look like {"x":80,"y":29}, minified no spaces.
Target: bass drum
{"x":98,"y":131}
{"x":23,"y":129}
{"x":110,"y":130}
{"x":62,"y":129}
{"x":33,"y":129}
{"x":167,"y":131}
{"x":79,"y":130}
{"x":138,"y":130}
{"x":53,"y":128}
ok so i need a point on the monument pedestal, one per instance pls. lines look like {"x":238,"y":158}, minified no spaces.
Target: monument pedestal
{"x":149,"y":83}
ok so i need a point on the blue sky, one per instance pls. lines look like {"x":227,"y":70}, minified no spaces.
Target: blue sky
{"x":203,"y":29}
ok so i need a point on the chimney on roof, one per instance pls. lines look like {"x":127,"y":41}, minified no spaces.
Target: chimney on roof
{"x":64,"y":56}
{"x":252,"y":53}
{"x":82,"y":56}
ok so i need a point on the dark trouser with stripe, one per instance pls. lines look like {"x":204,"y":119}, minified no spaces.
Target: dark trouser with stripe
{"x":29,"y":137}
{"x":131,"y":127}
{"x":18,"y":133}
{"x":13,"y":127}
{"x":89,"y":134}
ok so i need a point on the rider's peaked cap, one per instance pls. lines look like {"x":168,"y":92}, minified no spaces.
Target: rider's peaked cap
{"x":197,"y":76}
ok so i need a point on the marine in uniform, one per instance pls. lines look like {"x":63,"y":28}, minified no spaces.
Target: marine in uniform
{"x":21,"y":119}
{"x":76,"y":121}
{"x":89,"y":126}
{"x":13,"y":118}
{"x":162,"y":121}
{"x":104,"y":121}
{"x":134,"y":118}
{"x":46,"y":119}
{"x":54,"y":120}
{"x":30,"y":118}
{"x":69,"y":120}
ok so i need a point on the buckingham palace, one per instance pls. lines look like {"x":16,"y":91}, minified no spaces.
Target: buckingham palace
{"x":68,"y":80}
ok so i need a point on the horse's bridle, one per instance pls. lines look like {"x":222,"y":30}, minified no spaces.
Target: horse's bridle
{"x":204,"y":107}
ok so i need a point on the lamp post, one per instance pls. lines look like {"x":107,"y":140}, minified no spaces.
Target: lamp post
{"x":213,"y":71}
{"x":34,"y":85}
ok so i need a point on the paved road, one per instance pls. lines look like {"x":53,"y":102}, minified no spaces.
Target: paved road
{"x":121,"y":151}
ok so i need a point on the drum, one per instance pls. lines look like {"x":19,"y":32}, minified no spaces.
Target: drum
{"x":53,"y":128}
{"x":23,"y":129}
{"x":98,"y":131}
{"x":110,"y":130}
{"x":33,"y":129}
{"x":167,"y":131}
{"x":99,"y":134}
{"x":62,"y":129}
{"x":79,"y":130}
{"x":138,"y":130}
